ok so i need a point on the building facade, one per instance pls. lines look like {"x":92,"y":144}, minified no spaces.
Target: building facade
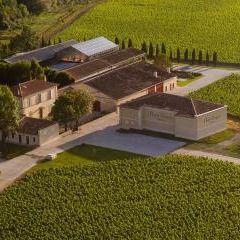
{"x":35,"y":97}
{"x":179,"y":116}
{"x":34,"y":132}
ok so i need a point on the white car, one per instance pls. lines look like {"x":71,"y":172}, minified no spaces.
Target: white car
{"x":50,"y":156}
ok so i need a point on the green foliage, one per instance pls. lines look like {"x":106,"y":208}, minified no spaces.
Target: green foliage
{"x":201,"y":24}
{"x":22,"y":71}
{"x":173,"y":197}
{"x":72,"y":106}
{"x":224,"y":91}
{"x":84,"y":155}
{"x":151,"y":51}
{"x":162,"y":61}
{"x":8,"y":112}
{"x":62,"y":78}
{"x":25,"y":41}
{"x":218,"y":137}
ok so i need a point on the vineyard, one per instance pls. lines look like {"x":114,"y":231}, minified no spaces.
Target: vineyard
{"x":165,"y":198}
{"x":202,"y":24}
{"x":224,"y":91}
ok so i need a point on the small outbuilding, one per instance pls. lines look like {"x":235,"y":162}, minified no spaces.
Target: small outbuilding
{"x":34,"y":132}
{"x":180,"y":116}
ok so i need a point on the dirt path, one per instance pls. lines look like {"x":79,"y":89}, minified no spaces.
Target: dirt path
{"x":53,"y":30}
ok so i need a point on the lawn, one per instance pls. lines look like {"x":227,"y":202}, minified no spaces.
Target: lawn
{"x":201,"y":24}
{"x":13,"y":150}
{"x":225,"y":91}
{"x":173,"y":197}
{"x":84,"y":155}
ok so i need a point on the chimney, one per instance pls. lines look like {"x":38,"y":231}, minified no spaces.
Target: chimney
{"x":155,"y":74}
{"x":168,"y":69}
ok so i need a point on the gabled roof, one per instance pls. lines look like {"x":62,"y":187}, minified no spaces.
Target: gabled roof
{"x":31,"y":126}
{"x":94,"y":46}
{"x":129,"y":80}
{"x":102,"y":63}
{"x":41,"y":54}
{"x":31,"y":87}
{"x":183,"y":106}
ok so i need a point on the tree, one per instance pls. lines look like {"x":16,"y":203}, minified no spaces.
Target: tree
{"x":25,"y":41}
{"x":72,"y":106}
{"x":63,"y":111}
{"x":200,"y":57}
{"x":171,"y":54}
{"x":157,"y":49}
{"x":36,"y":70}
{"x":186,"y":55}
{"x":130,"y":44}
{"x":214,"y":59}
{"x":123,"y":44}
{"x":207,"y":58}
{"x":178,"y":55}
{"x":82,"y":102}
{"x":8,"y":112}
{"x":150,"y":55}
{"x":144,"y":47}
{"x":162,"y":62}
{"x":193,"y":56}
{"x":116,"y":41}
{"x":163,"y":50}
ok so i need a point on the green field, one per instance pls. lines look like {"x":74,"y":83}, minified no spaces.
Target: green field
{"x":173,"y":197}
{"x":202,"y":24}
{"x":224,"y":91}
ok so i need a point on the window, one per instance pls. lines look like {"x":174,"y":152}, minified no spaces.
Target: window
{"x":34,"y":139}
{"x":49,"y":95}
{"x":13,"y":135}
{"x":165,"y":88}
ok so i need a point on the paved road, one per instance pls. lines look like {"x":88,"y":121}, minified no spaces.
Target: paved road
{"x":101,"y":132}
{"x":183,"y":151}
{"x":210,"y":75}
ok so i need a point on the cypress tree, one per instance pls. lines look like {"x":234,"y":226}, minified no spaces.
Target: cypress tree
{"x":130,"y":44}
{"x":214,"y":59}
{"x":186,"y":55}
{"x":49,"y":42}
{"x":116,"y":41}
{"x":178,"y":55}
{"x":43,"y":43}
{"x":163,"y":48}
{"x":59,"y":40}
{"x":171,"y":54}
{"x":200,"y":57}
{"x":157,"y":49}
{"x":193,"y":56}
{"x":150,"y":50}
{"x":207,"y":58}
{"x":54,"y":41}
{"x":144,"y":47}
{"x":123,"y":44}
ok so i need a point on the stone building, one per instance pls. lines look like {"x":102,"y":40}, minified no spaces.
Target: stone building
{"x":35,"y":97}
{"x":180,"y":116}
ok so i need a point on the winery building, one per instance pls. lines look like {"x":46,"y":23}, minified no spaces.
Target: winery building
{"x":180,"y":116}
{"x":126,"y":83}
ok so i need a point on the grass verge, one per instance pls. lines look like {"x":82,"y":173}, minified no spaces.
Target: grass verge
{"x":84,"y":155}
{"x":13,"y":150}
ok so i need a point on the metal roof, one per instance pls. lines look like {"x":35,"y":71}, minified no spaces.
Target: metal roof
{"x":95,"y":46}
{"x":63,"y":66}
{"x":41,"y":54}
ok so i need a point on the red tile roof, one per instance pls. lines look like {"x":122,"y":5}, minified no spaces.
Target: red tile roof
{"x":184,"y":106}
{"x":129,"y":80}
{"x":31,"y":126}
{"x":31,"y":87}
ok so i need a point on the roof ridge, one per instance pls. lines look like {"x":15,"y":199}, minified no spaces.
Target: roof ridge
{"x":194,"y":108}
